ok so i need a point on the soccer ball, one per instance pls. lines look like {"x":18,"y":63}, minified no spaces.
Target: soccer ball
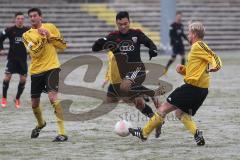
{"x":121,"y":128}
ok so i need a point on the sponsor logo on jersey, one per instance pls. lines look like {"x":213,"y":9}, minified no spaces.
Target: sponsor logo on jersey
{"x":126,"y":46}
{"x":18,"y":39}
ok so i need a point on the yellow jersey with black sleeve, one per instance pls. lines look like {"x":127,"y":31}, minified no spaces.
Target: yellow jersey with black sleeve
{"x":43,"y":49}
{"x":112,"y":74}
{"x":196,"y":70}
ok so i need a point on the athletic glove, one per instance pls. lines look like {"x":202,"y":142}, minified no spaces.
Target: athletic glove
{"x":152,"y":53}
{"x":99,"y":44}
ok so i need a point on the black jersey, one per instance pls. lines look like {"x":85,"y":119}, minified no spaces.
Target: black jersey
{"x":17,"y":50}
{"x":126,"y":48}
{"x":176,"y":34}
{"x":129,"y":44}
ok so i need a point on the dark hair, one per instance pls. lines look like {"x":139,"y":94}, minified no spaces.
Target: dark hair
{"x":18,"y":14}
{"x":122,"y":14}
{"x":35,"y":10}
{"x":178,"y":12}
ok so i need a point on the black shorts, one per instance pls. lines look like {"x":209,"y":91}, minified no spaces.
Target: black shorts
{"x":178,"y":49}
{"x":137,"y":76}
{"x":15,"y":66}
{"x":114,"y":90}
{"x":188,"y":98}
{"x":44,"y":82}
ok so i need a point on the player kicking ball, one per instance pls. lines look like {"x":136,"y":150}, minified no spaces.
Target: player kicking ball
{"x":127,"y":70}
{"x":186,"y":99}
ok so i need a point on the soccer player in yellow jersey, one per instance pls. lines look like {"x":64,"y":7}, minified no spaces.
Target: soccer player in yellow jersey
{"x":43,"y":41}
{"x":186,"y":99}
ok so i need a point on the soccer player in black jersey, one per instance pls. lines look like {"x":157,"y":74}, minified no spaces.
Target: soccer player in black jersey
{"x":176,"y":34}
{"x":125,"y":45}
{"x":17,"y":57}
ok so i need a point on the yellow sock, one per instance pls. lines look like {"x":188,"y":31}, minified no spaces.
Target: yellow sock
{"x":154,"y":122}
{"x":189,"y":123}
{"x":59,"y":117}
{"x":38,"y":114}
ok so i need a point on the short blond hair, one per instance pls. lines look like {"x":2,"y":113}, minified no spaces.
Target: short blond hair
{"x":197,"y":28}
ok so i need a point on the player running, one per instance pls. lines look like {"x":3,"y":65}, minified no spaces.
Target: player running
{"x":176,"y":34}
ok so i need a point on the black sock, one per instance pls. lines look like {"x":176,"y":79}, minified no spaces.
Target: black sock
{"x":169,"y":63}
{"x":183,"y":61}
{"x":21,"y":87}
{"x":147,"y":111}
{"x":5,"y":88}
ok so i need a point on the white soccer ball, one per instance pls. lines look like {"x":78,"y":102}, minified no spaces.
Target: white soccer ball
{"x":121,"y":128}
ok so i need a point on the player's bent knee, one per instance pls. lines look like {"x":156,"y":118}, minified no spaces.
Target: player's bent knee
{"x":7,"y":77}
{"x":166,"y":108}
{"x":23,"y":79}
{"x":52,"y":95}
{"x":125,"y":85}
{"x":52,"y":100}
{"x":140,"y":104}
{"x":35,"y":102}
{"x":178,"y":113}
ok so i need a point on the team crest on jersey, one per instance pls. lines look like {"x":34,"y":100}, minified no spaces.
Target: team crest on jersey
{"x":134,"y":39}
